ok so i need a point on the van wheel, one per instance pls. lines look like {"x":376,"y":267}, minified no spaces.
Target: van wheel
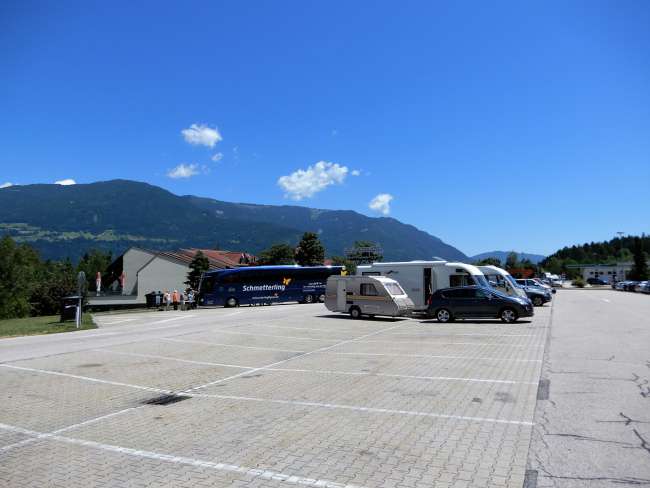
{"x":355,"y":313}
{"x":508,"y":315}
{"x":231,"y":302}
{"x":443,"y":315}
{"x":538,"y":302}
{"x":309,"y":299}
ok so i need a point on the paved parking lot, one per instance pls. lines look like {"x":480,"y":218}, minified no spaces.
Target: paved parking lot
{"x":271,"y":396}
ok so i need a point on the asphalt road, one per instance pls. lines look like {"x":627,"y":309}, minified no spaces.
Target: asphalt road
{"x":594,"y":429}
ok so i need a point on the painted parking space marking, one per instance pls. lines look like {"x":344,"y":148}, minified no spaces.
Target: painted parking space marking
{"x":476,"y":358}
{"x":208,"y":343}
{"x":251,"y":472}
{"x":326,"y":372}
{"x":300,"y":403}
{"x":482,"y":344}
{"x":276,"y":336}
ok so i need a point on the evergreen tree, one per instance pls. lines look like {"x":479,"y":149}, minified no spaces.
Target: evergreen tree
{"x":489,"y":262}
{"x":310,"y":251}
{"x":198,"y":266}
{"x":277,"y":254}
{"x":640,"y":269}
{"x":511,"y":260}
{"x":18,"y":268}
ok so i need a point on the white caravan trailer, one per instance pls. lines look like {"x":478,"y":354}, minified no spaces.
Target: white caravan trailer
{"x":421,"y":278}
{"x":502,"y":281}
{"x":366,"y":295}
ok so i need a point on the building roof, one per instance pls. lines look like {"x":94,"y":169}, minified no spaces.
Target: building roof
{"x":217,"y":259}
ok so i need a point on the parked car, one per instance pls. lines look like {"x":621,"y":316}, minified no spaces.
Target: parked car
{"x":538,"y":295}
{"x":596,"y":281}
{"x":642,"y":287}
{"x":630,"y":285}
{"x":448,"y":304}
{"x":539,"y":282}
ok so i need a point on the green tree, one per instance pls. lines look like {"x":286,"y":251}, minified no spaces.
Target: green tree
{"x":310,"y":251}
{"x":365,"y":252}
{"x":640,"y":269}
{"x":198,"y":266}
{"x":489,"y":262}
{"x":350,"y":266}
{"x":511,"y":260}
{"x":277,"y":254}
{"x":53,"y":281}
{"x":18,"y":267}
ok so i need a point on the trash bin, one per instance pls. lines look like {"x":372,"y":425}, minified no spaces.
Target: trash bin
{"x":151,"y":299}
{"x":69,"y":308}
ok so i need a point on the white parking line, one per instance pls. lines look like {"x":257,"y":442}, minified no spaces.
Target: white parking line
{"x":252,"y":472}
{"x":482,"y":344}
{"x":272,"y":400}
{"x":304,"y":354}
{"x":275,"y":336}
{"x":432,"y":356}
{"x":171,"y":319}
{"x":117,"y":321}
{"x":430,"y":334}
{"x":189,"y":361}
{"x":69,"y":427}
{"x":207,"y":343}
{"x":321,"y":371}
{"x":364,"y":409}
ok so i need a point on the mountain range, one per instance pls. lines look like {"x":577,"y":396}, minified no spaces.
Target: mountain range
{"x":66,"y":221}
{"x":502,"y":255}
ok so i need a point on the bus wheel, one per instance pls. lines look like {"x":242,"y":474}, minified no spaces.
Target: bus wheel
{"x":231,"y":302}
{"x":355,"y":313}
{"x":309,"y":298}
{"x":321,"y":298}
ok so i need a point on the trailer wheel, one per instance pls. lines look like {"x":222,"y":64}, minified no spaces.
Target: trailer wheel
{"x":231,"y":302}
{"x":443,"y":315}
{"x":355,"y":312}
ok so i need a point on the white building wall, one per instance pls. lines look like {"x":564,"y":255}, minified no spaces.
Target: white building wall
{"x":160,"y":275}
{"x":616,"y":272}
{"x":132,"y":261}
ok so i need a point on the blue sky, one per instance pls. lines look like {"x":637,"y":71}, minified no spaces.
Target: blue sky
{"x":492,"y":125}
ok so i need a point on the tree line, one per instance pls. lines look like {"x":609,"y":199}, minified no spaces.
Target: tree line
{"x":620,"y":249}
{"x":31,"y":286}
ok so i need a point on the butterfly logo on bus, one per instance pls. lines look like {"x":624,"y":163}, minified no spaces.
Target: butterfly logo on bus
{"x":286,"y":281}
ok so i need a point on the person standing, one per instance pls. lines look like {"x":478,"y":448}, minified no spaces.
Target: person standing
{"x":175,"y":299}
{"x":168,"y":299}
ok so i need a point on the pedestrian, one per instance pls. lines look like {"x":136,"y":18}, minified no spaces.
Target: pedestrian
{"x":183,"y":301}
{"x":190,"y":298}
{"x":175,"y":299}
{"x":168,"y":299}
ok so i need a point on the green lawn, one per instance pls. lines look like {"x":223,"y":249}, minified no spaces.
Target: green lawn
{"x":41,"y":325}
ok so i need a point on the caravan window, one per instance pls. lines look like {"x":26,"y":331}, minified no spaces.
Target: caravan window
{"x":368,"y":290}
{"x":460,"y":280}
{"x":394,"y":289}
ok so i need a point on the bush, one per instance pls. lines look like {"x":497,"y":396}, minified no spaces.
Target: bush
{"x":579,"y":282}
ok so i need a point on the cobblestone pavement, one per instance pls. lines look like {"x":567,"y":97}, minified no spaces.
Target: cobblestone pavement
{"x":271,"y":396}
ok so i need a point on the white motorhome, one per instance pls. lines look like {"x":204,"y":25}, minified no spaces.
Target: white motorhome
{"x":421,"y":278}
{"x":366,"y":295}
{"x":502,"y":281}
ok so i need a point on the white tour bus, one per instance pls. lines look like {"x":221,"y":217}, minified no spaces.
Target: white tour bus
{"x":502,"y":281}
{"x":421,"y":278}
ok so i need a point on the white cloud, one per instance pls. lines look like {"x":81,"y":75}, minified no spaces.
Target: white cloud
{"x":355,"y":172}
{"x":381,"y":203}
{"x":6,"y":185}
{"x":217,"y":157}
{"x":183,"y":171}
{"x":201,"y":135}
{"x":305,"y":183}
{"x":66,"y":182}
